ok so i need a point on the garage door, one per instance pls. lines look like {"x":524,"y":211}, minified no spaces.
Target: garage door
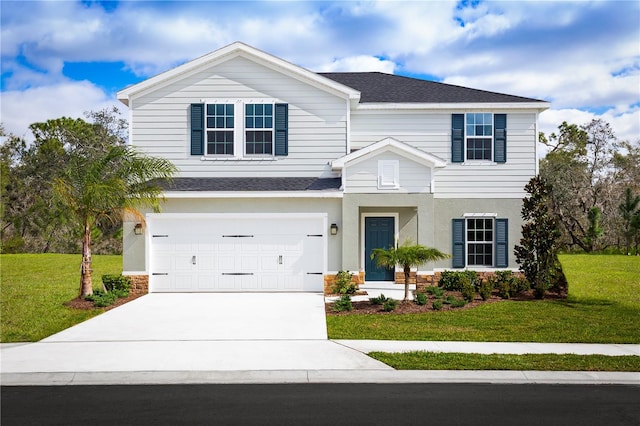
{"x":226,"y":252}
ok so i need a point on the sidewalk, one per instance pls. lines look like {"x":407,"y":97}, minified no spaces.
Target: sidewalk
{"x":319,"y":361}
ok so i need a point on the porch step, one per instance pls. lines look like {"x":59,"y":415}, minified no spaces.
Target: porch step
{"x":383,"y":285}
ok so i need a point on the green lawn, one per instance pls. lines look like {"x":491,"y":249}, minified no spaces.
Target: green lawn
{"x":545,"y":362}
{"x":602,"y":307}
{"x":34,"y":288}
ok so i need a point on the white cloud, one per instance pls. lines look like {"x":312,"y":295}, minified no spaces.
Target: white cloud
{"x":360,"y":63}
{"x":69,"y":99}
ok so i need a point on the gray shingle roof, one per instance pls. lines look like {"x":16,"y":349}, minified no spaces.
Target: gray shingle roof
{"x":380,"y":87}
{"x":252,"y":184}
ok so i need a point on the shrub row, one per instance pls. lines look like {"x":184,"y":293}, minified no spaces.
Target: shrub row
{"x":116,"y":286}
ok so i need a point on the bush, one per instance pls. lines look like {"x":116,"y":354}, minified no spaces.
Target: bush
{"x":117,"y":284}
{"x":421,"y":299}
{"x":378,"y":300}
{"x":101,"y":299}
{"x":437,"y":305}
{"x":343,"y":304}
{"x":454,"y":281}
{"x":436,"y":291}
{"x":344,"y":284}
{"x":485,"y":289}
{"x":389,"y":305}
{"x":468,"y":288}
{"x":458,"y":303}
{"x":508,"y":284}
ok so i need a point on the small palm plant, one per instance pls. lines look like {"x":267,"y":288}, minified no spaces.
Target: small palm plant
{"x":407,"y":256}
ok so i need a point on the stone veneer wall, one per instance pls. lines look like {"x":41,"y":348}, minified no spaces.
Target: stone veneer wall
{"x":139,"y":283}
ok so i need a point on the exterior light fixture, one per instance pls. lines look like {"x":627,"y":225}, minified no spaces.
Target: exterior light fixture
{"x":137,"y":229}
{"x":334,"y":229}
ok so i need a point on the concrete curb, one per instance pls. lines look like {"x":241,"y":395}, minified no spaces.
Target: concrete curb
{"x":319,"y":376}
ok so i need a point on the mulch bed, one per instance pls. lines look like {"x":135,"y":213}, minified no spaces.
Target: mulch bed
{"x":79,"y":303}
{"x":411,"y":307}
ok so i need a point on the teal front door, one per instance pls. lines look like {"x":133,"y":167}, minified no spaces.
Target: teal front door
{"x":378,"y":233}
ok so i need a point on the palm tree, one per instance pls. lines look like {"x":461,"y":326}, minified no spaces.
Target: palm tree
{"x":406,"y":256}
{"x":103,"y":186}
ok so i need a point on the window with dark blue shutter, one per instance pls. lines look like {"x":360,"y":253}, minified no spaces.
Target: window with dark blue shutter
{"x":502,"y":243}
{"x":458,"y":226}
{"x":197,"y":129}
{"x":457,"y":138}
{"x":500,"y":138}
{"x":282,"y":129}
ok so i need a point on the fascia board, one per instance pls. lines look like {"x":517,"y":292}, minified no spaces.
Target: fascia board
{"x":537,"y":106}
{"x":251,"y":194}
{"x":389,"y":144}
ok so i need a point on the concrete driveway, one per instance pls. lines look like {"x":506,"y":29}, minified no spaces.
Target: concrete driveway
{"x":206,"y":316}
{"x":196,"y":333}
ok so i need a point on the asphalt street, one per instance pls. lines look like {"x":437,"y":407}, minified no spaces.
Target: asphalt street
{"x":322,"y":404}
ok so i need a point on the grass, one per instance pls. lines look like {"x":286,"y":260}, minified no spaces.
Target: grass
{"x":602,"y":307}
{"x":542,"y":362}
{"x":34,"y":288}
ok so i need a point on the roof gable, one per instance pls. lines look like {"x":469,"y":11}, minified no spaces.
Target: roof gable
{"x":227,"y":53}
{"x":393,"y":145}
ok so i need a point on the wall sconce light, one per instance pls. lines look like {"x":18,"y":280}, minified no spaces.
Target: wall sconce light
{"x":334,"y":229}
{"x":137,"y":229}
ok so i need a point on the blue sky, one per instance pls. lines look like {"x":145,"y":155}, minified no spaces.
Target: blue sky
{"x":65,"y":57}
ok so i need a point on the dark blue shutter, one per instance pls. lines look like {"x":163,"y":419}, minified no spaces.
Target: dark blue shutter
{"x":197,"y":129}
{"x":282,"y":129}
{"x":458,"y":243}
{"x":457,"y":138}
{"x":502,"y":243}
{"x":500,"y":138}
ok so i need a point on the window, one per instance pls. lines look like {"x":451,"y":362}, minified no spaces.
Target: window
{"x":220,"y":129}
{"x":479,"y":136}
{"x":240,"y":131}
{"x":258,"y":129}
{"x":480,"y":242}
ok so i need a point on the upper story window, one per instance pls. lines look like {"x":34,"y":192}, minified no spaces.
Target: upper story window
{"x":239,"y":130}
{"x":220,"y":129}
{"x":258,"y":129}
{"x":479,"y":136}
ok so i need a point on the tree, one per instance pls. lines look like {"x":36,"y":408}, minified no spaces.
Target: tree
{"x":406,"y":256}
{"x":594,"y":232}
{"x":630,"y":215}
{"x":98,"y":187}
{"x":537,"y":252}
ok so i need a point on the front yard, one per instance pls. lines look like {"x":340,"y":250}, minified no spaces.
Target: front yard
{"x":603,"y":306}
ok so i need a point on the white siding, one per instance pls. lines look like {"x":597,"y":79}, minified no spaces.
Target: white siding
{"x":362,"y":177}
{"x":431,"y":132}
{"x":317,"y":121}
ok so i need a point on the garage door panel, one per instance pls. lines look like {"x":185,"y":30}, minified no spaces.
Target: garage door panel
{"x":276,"y":251}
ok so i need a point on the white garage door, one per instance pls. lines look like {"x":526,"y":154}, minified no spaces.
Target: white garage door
{"x":226,"y":252}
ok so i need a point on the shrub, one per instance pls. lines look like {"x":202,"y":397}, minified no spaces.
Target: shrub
{"x":508,"y":284}
{"x":389,"y":305}
{"x":485,"y":289}
{"x":436,"y":291}
{"x":344,"y":283}
{"x":468,"y":288}
{"x":454,"y":281}
{"x":458,"y":303}
{"x":117,"y":284}
{"x":101,"y":299}
{"x":437,"y":304}
{"x":448,"y":300}
{"x":343,"y":304}
{"x":421,"y":299}
{"x":378,"y":300}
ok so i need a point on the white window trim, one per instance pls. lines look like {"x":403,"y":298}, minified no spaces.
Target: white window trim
{"x":382,"y":165}
{"x":239,"y":131}
{"x":467,"y":137}
{"x":468,"y":216}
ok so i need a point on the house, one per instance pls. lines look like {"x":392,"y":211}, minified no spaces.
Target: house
{"x":287,"y":176}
